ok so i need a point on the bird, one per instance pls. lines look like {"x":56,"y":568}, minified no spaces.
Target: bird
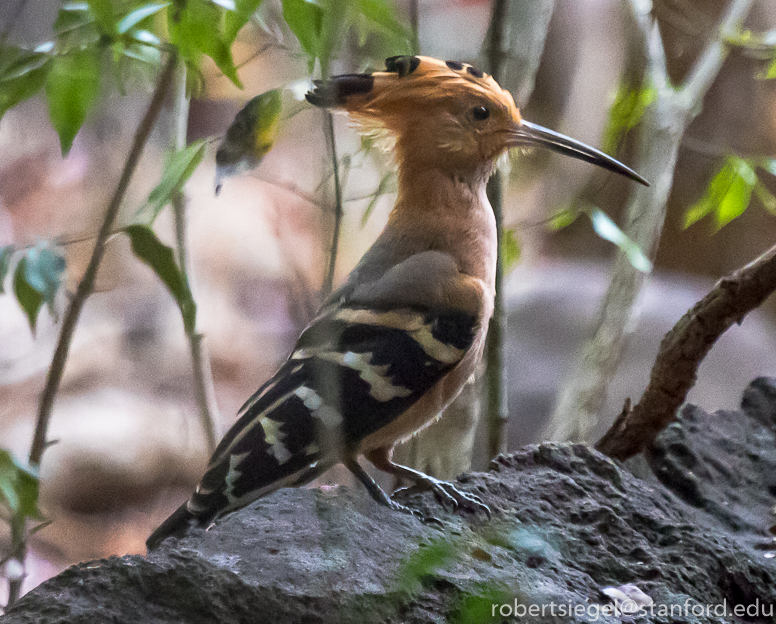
{"x":392,"y":346}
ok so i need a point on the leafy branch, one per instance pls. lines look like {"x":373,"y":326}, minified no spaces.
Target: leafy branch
{"x":662,"y":127}
{"x":83,"y":290}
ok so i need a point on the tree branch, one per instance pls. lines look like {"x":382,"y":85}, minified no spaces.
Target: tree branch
{"x":328,"y":278}
{"x":665,"y":121}
{"x":517,"y":30}
{"x":683,"y":349}
{"x":204,"y":390}
{"x":84,"y":289}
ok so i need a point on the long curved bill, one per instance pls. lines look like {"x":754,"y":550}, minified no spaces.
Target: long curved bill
{"x":528,"y":134}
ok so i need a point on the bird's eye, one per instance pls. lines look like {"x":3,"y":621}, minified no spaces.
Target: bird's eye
{"x":481,"y":113}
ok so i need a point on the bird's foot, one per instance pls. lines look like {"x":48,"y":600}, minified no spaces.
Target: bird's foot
{"x":449,"y":496}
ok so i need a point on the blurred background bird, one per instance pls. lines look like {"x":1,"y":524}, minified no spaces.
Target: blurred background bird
{"x":393,"y":346}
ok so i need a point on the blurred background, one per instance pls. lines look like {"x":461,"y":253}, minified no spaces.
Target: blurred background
{"x":129,"y":446}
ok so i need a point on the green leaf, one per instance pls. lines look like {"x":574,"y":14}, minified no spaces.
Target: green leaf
{"x":718,"y":187}
{"x":72,"y":87}
{"x":29,"y":299}
{"x":75,"y":27}
{"x":148,"y":248}
{"x":608,"y":230}
{"x":18,"y":486}
{"x":198,"y":31}
{"x":22,"y":75}
{"x":143,"y":53}
{"x":133,"y":18}
{"x":626,"y":112}
{"x":305,"y":20}
{"x":739,"y":194}
{"x":177,"y":170}
{"x":563,"y":218}
{"x":728,"y":194}
{"x":770,"y":71}
{"x":104,"y":15}
{"x":424,"y":562}
{"x":704,"y":206}
{"x":249,"y":137}
{"x":476,"y":607}
{"x":43,"y":271}
{"x":338,"y":17}
{"x":382,"y":14}
{"x":510,"y":248}
{"x":5,"y":264}
{"x":235,"y":20}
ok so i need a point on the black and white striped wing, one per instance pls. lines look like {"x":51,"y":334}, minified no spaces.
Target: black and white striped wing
{"x":352,"y":372}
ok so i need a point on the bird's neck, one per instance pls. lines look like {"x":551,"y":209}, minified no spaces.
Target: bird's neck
{"x":448,"y":211}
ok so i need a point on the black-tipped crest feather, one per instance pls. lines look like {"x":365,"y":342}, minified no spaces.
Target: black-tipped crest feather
{"x":336,"y":91}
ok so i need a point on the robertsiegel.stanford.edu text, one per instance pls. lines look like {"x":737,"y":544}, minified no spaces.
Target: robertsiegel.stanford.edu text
{"x":629,"y":607}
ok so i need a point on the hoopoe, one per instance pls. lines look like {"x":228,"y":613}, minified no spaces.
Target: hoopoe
{"x":392,"y":347}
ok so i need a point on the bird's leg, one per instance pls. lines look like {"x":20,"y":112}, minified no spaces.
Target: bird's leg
{"x":446,"y":493}
{"x":376,"y":492}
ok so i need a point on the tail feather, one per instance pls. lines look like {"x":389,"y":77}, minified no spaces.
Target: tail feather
{"x":175,"y":526}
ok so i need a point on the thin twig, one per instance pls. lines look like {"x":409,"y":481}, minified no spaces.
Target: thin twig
{"x":496,"y":378}
{"x":86,"y":284}
{"x":84,"y":289}
{"x":683,"y":349}
{"x":17,"y":13}
{"x":328,"y":278}
{"x":415,"y":26}
{"x":204,"y":389}
{"x":529,"y":25}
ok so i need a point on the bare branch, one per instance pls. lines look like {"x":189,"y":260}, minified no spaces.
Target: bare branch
{"x":328,"y":278}
{"x":708,"y":65}
{"x":682,"y":351}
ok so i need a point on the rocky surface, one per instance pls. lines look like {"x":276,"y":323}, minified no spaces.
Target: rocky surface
{"x":696,"y":535}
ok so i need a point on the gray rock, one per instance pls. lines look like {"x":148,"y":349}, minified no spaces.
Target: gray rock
{"x":567,"y":522}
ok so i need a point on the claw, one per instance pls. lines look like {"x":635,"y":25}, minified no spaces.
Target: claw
{"x":461,"y":500}
{"x":448,"y":496}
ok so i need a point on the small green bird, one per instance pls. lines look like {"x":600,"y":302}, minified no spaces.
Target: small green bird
{"x":249,"y":138}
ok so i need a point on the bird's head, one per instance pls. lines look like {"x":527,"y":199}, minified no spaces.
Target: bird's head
{"x":444,"y":114}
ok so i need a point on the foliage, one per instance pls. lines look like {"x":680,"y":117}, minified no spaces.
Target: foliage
{"x":424,"y":561}
{"x":760,"y":45}
{"x":607,"y":229}
{"x":626,"y":112}
{"x":509,"y":248}
{"x":177,"y":169}
{"x":730,"y":191}
{"x":322,"y":25}
{"x":18,"y":488}
{"x":148,"y":248}
{"x":476,"y":604}
{"x":99,"y":40}
{"x":476,"y":607}
{"x":36,"y":278}
{"x":98,"y":44}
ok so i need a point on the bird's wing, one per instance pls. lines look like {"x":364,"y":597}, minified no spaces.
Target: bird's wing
{"x":371,"y":353}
